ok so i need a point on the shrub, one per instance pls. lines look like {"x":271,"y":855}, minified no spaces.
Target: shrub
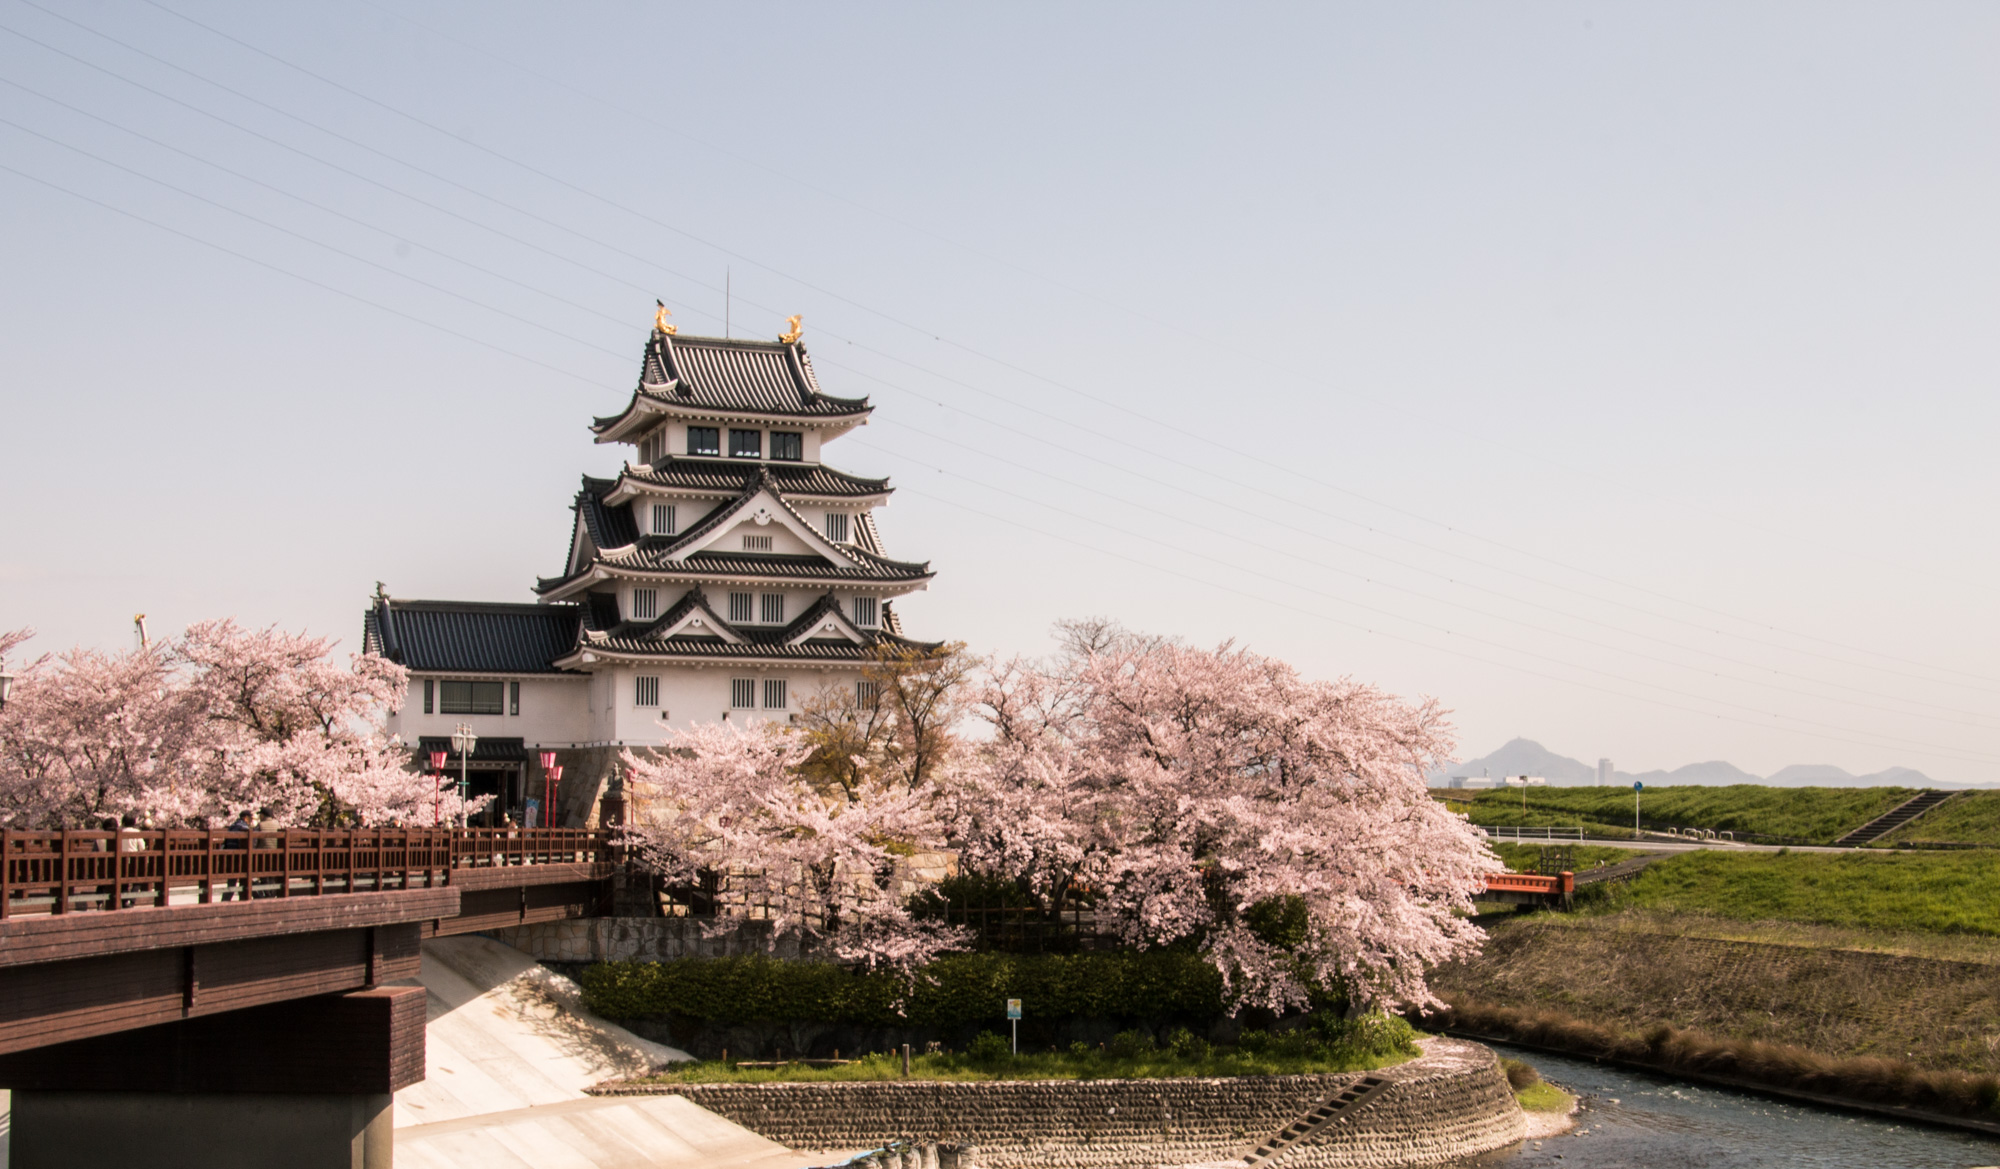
{"x":1520,"y":1075}
{"x":1130,"y":1045}
{"x":988,"y":1048}
{"x":955,"y":990}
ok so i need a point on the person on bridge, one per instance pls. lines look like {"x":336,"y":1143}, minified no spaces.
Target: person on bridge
{"x":240,"y":889}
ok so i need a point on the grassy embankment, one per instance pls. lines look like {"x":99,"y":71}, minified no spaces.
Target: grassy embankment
{"x":1804,"y":815}
{"x":1874,"y":976}
{"x":1344,"y":1046}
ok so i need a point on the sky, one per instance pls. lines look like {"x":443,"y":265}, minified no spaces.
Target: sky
{"x":1619,"y":375}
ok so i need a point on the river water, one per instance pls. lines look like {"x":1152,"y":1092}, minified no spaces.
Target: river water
{"x":1633,"y":1121}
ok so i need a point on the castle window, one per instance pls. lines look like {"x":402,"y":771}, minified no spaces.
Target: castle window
{"x":469,"y":698}
{"x":645,"y":604}
{"x":836,"y":526}
{"x":704,"y":440}
{"x":788,"y":445}
{"x":774,"y":694}
{"x":756,"y":543}
{"x":740,"y":607}
{"x":865,"y":694}
{"x":663,"y":519}
{"x":429,"y":686}
{"x":746,"y":444}
{"x":513,"y":698}
{"x":743,"y":693}
{"x":773,"y":608}
{"x":864,"y":612}
{"x":647,"y":693}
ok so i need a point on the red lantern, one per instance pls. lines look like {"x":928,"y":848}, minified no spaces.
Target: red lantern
{"x":437,"y":760}
{"x":548,"y":760}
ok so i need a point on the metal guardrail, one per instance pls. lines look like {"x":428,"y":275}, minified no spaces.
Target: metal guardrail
{"x":96,"y":871}
{"x":1517,"y":832}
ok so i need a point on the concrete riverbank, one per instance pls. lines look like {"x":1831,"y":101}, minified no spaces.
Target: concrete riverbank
{"x":1451,"y":1102}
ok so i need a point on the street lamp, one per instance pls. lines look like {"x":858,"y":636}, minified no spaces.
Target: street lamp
{"x":463,"y":740}
{"x":551,"y":776}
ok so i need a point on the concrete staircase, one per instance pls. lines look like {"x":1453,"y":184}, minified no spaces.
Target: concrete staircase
{"x":1329,"y":1110}
{"x":1894,"y":818}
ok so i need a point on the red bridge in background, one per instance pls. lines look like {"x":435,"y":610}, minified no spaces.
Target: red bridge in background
{"x":1529,"y":888}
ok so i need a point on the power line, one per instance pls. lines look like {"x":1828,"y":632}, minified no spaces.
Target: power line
{"x":1308,"y":506}
{"x":1186,"y":522}
{"x":1208,"y":439}
{"x":1022,"y":370}
{"x":294,"y":275}
{"x":462,"y":336}
{"x":1326,"y":617}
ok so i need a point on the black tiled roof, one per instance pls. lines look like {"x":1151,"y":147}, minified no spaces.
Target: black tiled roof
{"x":715,"y":373}
{"x":725,"y":475}
{"x":759,"y":641}
{"x":489,"y":747}
{"x":471,"y":637}
{"x":709,"y":647}
{"x":609,"y":527}
{"x":787,"y":567}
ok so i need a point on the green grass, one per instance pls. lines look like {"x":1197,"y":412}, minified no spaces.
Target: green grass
{"x":1933,"y":892}
{"x":1345,"y":1046}
{"x":1808,"y":814}
{"x":1973,"y":818}
{"x":1544,"y":1097}
{"x":1523,"y":858}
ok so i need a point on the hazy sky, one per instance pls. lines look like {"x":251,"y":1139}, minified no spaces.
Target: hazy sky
{"x":1621,"y":375}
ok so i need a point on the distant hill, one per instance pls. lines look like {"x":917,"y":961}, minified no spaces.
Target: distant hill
{"x":1527,"y":757}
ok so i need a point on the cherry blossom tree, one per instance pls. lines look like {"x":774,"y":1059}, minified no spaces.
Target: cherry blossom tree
{"x":900,"y":727}
{"x":217,"y":721}
{"x":735,"y":807}
{"x":1217,"y":797}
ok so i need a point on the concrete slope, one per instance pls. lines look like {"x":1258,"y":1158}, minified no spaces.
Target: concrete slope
{"x":507,"y":1033}
{"x":619,"y":1132}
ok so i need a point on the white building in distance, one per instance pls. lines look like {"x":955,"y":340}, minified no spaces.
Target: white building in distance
{"x":725,"y":572}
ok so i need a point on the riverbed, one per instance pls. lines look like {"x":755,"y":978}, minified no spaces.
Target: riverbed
{"x":1629,"y":1120}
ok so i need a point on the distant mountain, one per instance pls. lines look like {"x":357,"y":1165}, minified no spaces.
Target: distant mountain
{"x":1527,"y":757}
{"x":1715,"y":771}
{"x":1812,"y":775}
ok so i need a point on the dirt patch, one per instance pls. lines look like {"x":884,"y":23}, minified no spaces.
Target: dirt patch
{"x":1629,"y":975}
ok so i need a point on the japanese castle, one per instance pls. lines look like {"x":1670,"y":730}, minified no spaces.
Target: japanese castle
{"x":725,"y":572}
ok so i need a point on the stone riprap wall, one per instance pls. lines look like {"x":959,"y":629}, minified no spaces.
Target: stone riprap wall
{"x":645,"y":939}
{"x":1452,"y":1102}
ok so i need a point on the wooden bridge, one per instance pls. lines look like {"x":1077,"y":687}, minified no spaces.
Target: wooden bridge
{"x":170,"y":988}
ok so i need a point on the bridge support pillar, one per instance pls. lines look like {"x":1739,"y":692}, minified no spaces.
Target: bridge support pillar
{"x":165,"y":1130}
{"x":306,"y":1083}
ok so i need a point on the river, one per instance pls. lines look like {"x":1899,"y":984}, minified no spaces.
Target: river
{"x":1633,"y":1121}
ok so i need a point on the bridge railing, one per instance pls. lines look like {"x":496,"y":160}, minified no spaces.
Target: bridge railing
{"x":76,"y":871}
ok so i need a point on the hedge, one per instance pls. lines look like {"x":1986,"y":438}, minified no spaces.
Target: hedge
{"x":957,"y":989}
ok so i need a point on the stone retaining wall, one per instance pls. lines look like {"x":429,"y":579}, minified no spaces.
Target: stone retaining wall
{"x":1452,"y":1102}
{"x":644,"y":939}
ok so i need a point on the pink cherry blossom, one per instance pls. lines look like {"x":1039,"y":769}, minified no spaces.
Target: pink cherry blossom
{"x":818,"y":861}
{"x":217,"y":721}
{"x":1180,"y":787}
